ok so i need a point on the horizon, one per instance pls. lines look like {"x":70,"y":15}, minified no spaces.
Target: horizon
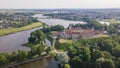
{"x":55,"y":8}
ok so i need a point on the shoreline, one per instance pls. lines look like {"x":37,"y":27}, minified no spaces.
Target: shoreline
{"x":21,"y":28}
{"x":25,"y":61}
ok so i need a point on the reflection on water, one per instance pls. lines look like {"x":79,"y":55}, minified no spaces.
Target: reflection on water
{"x":65,"y":23}
{"x":43,"y":63}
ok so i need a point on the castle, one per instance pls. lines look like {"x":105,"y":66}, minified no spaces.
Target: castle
{"x":75,"y":33}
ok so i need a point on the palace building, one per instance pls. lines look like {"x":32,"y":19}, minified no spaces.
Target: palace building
{"x":75,"y":33}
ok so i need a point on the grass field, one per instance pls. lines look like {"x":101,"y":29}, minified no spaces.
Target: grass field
{"x":112,"y":21}
{"x":100,"y":35}
{"x":14,"y":30}
{"x":65,"y":41}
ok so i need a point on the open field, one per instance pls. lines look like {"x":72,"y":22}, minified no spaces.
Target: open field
{"x":14,"y":30}
{"x":65,"y":41}
{"x":100,"y":35}
{"x":112,"y":21}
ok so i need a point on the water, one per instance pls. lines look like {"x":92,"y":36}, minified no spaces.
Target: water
{"x":65,"y":23}
{"x":14,"y":42}
{"x":43,"y":63}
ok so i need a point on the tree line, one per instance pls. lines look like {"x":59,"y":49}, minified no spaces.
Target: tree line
{"x":47,"y":29}
{"x":101,"y":52}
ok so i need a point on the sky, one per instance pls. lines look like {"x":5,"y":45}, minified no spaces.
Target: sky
{"x":51,"y":4}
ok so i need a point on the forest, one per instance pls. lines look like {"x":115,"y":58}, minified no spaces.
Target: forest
{"x":101,"y":52}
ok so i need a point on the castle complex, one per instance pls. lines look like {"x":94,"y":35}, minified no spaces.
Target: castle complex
{"x":75,"y":33}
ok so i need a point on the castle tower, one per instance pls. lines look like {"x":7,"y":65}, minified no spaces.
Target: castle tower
{"x":70,"y":26}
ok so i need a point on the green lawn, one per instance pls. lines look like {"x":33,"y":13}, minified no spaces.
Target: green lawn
{"x":14,"y":30}
{"x":100,"y":35}
{"x":112,"y":21}
{"x":65,"y":41}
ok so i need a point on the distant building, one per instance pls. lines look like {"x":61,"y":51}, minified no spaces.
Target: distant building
{"x":55,"y":33}
{"x":76,"y":33}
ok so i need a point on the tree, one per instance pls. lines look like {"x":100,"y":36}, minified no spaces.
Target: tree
{"x":53,"y":28}
{"x":86,"y":54}
{"x":108,"y":64}
{"x":63,"y":58}
{"x":116,"y":52}
{"x":96,"y":55}
{"x":112,"y":30}
{"x":13,"y":57}
{"x":66,"y":66}
{"x":37,"y":37}
{"x":104,"y":63}
{"x":76,"y":61}
{"x":3,"y":59}
{"x":37,"y":49}
{"x":98,"y":63}
{"x":33,"y":51}
{"x":22,"y":55}
{"x":107,"y":45}
{"x":33,"y":38}
{"x":40,"y":36}
{"x":57,"y":28}
{"x":48,"y":49}
{"x":40,"y":49}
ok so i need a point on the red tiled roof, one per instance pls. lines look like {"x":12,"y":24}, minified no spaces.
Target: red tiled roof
{"x":55,"y":33}
{"x":81,"y":31}
{"x":76,"y":29}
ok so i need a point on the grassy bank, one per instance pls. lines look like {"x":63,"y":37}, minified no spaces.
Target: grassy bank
{"x":14,"y":30}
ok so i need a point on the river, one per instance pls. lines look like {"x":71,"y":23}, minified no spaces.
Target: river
{"x":43,"y":63}
{"x":13,"y":42}
{"x":65,"y":23}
